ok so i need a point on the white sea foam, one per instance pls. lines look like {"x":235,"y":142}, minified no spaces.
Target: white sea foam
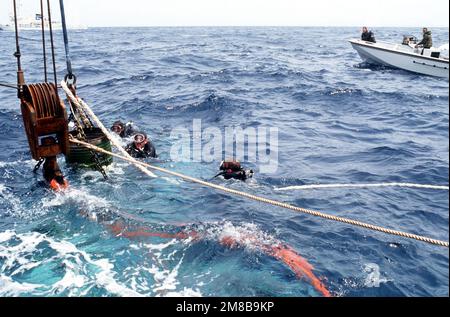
{"x":116,"y":168}
{"x":79,"y":196}
{"x":166,"y":279}
{"x":11,"y":202}
{"x":29,"y":163}
{"x":8,"y":287}
{"x":5,"y":236}
{"x":161,"y":247}
{"x":247,"y":235}
{"x":373,"y":278}
{"x":186,"y":292}
{"x":15,"y":207}
{"x":82,"y":272}
{"x":104,"y":278}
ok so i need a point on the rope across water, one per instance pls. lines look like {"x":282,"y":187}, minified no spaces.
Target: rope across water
{"x":144,"y":166}
{"x":266,"y":200}
{"x":332,"y":186}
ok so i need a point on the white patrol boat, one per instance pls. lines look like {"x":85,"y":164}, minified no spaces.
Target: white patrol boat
{"x":433,"y":61}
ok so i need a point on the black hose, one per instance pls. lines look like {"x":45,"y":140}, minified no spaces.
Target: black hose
{"x":9,"y":86}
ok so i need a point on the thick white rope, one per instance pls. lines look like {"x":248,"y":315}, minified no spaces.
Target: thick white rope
{"x":332,"y":186}
{"x":268,"y":201}
{"x":79,"y":102}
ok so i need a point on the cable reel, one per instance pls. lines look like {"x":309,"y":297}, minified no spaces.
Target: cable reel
{"x":45,"y":119}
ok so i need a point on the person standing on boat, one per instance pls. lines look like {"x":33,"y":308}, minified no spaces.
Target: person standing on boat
{"x":367,"y":35}
{"x":427,"y":40}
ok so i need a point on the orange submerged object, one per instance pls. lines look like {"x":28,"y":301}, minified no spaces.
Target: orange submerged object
{"x":300,"y":266}
{"x":58,"y":187}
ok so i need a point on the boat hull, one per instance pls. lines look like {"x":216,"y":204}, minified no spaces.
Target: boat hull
{"x":404,"y":60}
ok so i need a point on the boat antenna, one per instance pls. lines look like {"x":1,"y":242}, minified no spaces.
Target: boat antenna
{"x":17,"y":54}
{"x":52,"y":43}
{"x":70,"y":76}
{"x":43,"y":41}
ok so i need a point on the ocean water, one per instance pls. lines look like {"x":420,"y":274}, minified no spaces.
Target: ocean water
{"x":340,"y":121}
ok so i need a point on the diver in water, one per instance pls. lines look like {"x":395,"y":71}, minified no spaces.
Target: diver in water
{"x":123,"y":130}
{"x":141,"y":147}
{"x":234,"y":170}
{"x":53,"y":175}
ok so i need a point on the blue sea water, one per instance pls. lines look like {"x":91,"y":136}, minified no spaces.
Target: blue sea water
{"x":340,"y":121}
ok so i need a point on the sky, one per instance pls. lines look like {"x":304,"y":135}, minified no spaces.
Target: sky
{"x":375,"y":13}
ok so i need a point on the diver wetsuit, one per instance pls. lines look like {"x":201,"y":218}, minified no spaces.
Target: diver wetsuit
{"x":239,"y":175}
{"x":234,"y":170}
{"x":147,"y":151}
{"x":126,"y":130}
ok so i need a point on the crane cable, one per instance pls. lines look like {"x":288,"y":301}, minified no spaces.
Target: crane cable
{"x":52,"y":43}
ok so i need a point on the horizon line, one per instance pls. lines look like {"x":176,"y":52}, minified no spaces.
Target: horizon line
{"x":257,"y":25}
{"x":281,"y":26}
